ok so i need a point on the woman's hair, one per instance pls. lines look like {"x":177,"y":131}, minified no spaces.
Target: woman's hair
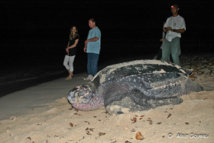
{"x":72,"y":36}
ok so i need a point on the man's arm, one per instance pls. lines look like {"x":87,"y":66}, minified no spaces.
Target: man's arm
{"x":176,"y":30}
{"x":179,"y":30}
{"x":85,"y":47}
{"x":91,"y":40}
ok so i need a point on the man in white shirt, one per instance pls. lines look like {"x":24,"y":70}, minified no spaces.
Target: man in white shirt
{"x":175,"y":25}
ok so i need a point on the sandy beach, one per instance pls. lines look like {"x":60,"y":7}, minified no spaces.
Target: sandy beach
{"x":42,"y":114}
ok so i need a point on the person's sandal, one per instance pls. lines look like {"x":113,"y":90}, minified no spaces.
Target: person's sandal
{"x":68,"y":78}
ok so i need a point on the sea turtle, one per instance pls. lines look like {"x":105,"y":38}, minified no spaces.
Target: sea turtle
{"x":134,"y":86}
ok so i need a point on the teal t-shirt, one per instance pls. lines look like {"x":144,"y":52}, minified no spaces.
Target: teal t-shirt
{"x":94,"y":46}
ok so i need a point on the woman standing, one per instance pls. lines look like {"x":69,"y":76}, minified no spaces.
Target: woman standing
{"x":71,"y":51}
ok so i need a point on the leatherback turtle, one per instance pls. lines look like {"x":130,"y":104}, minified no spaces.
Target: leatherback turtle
{"x":134,"y":86}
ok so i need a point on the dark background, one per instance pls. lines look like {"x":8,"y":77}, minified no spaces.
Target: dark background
{"x":35,"y":33}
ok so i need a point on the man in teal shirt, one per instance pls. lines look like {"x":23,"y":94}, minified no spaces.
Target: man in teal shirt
{"x":92,"y":48}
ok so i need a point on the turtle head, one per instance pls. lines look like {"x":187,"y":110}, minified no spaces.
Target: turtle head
{"x":83,"y":98}
{"x":80,"y":95}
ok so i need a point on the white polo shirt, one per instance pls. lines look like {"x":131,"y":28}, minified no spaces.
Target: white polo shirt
{"x":175,"y":23}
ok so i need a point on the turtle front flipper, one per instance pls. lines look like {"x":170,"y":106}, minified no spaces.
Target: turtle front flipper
{"x":120,"y":99}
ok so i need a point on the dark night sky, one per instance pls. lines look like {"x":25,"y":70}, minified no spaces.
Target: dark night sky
{"x":36,"y":31}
